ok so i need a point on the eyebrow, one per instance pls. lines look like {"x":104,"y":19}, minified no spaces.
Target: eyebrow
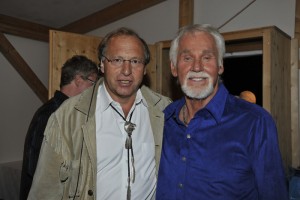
{"x":187,"y":51}
{"x":133,"y":57}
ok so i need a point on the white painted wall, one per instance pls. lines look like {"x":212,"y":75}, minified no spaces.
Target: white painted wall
{"x":260,"y":13}
{"x":18,"y":103}
{"x":155,"y":24}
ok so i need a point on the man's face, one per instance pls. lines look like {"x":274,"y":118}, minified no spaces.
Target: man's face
{"x":123,"y":81}
{"x":197,"y":65}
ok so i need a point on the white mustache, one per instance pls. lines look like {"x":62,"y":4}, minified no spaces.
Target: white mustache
{"x":197,"y":75}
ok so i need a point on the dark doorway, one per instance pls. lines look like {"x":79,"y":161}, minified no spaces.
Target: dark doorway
{"x":244,"y":73}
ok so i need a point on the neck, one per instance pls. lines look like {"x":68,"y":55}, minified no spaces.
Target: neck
{"x":189,"y":109}
{"x":126,"y":102}
{"x":185,"y":115}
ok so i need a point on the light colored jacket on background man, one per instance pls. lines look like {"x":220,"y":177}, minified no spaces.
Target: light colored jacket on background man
{"x":72,"y":174}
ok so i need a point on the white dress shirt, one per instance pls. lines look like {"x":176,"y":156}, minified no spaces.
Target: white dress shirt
{"x":112,"y":166}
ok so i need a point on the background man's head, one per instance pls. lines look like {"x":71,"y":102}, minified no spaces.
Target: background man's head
{"x":77,"y":74}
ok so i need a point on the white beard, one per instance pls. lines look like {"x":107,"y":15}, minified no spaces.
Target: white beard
{"x":196,"y":93}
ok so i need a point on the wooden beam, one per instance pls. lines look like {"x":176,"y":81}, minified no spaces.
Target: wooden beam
{"x":22,"y":28}
{"x":11,"y":54}
{"x":297,"y":21}
{"x":26,"y":29}
{"x":108,"y":15}
{"x":186,"y":12}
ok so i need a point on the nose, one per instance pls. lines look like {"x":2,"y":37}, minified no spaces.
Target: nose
{"x":126,"y":68}
{"x":197,"y":65}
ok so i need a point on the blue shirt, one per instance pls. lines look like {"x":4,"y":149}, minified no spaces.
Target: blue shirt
{"x":229,"y":151}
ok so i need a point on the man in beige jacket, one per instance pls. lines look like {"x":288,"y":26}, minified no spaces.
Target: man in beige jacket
{"x":105,"y":143}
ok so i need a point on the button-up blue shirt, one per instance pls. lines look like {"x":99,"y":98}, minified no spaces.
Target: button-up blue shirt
{"x":229,"y":150}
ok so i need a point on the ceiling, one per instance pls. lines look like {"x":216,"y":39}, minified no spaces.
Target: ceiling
{"x":52,"y":13}
{"x":34,"y":18}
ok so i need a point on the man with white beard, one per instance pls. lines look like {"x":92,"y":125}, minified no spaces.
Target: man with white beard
{"x":215,"y":145}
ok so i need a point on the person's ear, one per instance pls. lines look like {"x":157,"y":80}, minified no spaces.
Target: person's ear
{"x":173,"y":70}
{"x":78,"y":80}
{"x":221,"y":70}
{"x":102,"y":66}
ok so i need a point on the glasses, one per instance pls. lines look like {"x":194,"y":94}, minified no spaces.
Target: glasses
{"x":88,"y":79}
{"x":118,"y":62}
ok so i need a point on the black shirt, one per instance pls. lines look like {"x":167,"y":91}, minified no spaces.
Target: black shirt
{"x":34,"y":139}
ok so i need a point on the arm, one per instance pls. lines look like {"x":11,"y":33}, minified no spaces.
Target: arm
{"x":267,"y":162}
{"x":46,"y":183}
{"x":32,"y":148}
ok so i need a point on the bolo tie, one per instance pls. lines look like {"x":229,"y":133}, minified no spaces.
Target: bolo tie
{"x":129,"y":128}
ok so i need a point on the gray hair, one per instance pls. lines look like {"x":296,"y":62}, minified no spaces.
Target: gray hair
{"x":77,"y":65}
{"x":220,"y":44}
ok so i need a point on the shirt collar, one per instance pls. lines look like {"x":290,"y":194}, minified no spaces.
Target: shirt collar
{"x":106,"y":99}
{"x":140,"y":99}
{"x":215,"y":107}
{"x":60,"y":95}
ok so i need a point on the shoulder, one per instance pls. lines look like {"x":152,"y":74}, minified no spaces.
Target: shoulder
{"x":171,"y":108}
{"x":155,"y":98}
{"x":46,"y":109}
{"x":251,"y":110}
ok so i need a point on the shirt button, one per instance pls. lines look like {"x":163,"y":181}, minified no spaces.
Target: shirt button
{"x":188,"y":136}
{"x":180,"y":185}
{"x":90,"y":192}
{"x":183,"y":158}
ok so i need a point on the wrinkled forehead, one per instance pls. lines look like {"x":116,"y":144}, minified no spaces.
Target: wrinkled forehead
{"x":198,"y":41}
{"x":124,"y":43}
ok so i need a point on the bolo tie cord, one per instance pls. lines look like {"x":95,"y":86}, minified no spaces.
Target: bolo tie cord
{"x":129,"y":127}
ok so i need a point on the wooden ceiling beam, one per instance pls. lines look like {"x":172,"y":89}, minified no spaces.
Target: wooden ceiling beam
{"x":11,"y":54}
{"x":108,"y":15}
{"x":297,"y":21}
{"x":22,"y":28}
{"x":186,"y":12}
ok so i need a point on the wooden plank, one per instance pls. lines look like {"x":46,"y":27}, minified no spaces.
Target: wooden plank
{"x":186,"y":12}
{"x":166,"y":83}
{"x":23,"y":28}
{"x":11,"y":54}
{"x":150,"y":78}
{"x":63,"y":47}
{"x":244,"y":46}
{"x":297,"y":21}
{"x":243,"y":34}
{"x":280,"y":85}
{"x":249,"y":34}
{"x":163,"y":71}
{"x":159,"y":61}
{"x":295,"y":135}
{"x":108,"y":15}
{"x":267,"y":68}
